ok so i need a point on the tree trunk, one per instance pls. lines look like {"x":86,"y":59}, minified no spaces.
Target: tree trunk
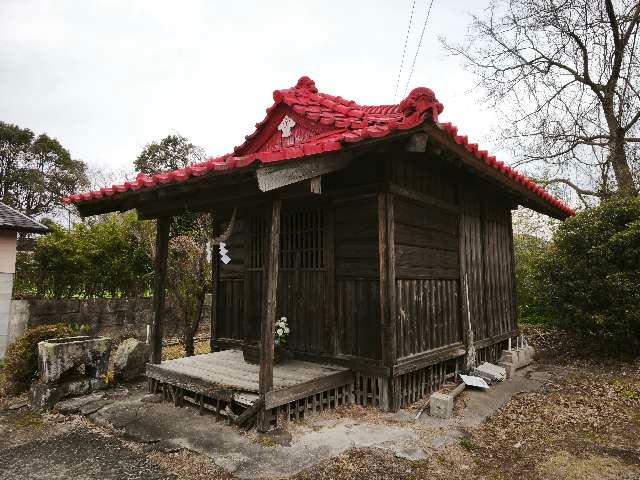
{"x":620,"y":164}
{"x":191,"y":325}
{"x":189,"y":347}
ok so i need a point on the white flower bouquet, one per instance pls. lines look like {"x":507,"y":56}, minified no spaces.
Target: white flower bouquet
{"x":282,"y":331}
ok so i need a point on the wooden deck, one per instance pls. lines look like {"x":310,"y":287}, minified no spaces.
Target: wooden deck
{"x":225,"y":377}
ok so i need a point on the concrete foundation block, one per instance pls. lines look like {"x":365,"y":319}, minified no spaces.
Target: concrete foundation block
{"x":69,"y":367}
{"x":441,"y":405}
{"x":489,"y":371}
{"x":531,"y":352}
{"x":59,"y":356}
{"x":509,"y":356}
{"x":509,"y":368}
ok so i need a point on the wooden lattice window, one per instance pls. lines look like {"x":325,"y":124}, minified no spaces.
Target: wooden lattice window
{"x":301,"y":240}
{"x":257,"y":241}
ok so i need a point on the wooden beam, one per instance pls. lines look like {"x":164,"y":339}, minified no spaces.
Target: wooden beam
{"x":215,"y":285}
{"x":487,"y":342}
{"x":430,"y":357}
{"x":202,"y":200}
{"x":270,"y":291}
{"x":424,"y":198}
{"x":286,"y":395}
{"x":330,"y":328}
{"x":271,"y":177}
{"x":387,"y":263}
{"x":248,"y":414}
{"x":160,"y":265}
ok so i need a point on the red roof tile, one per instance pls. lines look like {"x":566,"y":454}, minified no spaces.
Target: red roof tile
{"x":323,"y":123}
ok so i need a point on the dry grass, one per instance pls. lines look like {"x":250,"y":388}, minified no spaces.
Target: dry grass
{"x":187,"y":465}
{"x":565,"y":466}
{"x":584,"y":424}
{"x":171,"y":352}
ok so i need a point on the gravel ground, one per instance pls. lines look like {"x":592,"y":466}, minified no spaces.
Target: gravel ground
{"x":77,"y":454}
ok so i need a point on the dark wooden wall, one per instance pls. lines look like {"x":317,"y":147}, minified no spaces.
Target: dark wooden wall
{"x":357,"y":277}
{"x":450,"y":228}
{"x":487,"y":266}
{"x":451,"y":233}
{"x":303,"y":290}
{"x":426,"y":254}
{"x":231,"y":286}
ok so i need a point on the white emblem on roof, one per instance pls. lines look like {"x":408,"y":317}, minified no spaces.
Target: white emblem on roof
{"x":286,"y":125}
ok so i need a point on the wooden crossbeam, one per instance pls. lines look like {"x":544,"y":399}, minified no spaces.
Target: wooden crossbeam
{"x":272,"y":177}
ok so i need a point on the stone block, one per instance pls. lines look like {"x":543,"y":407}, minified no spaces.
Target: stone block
{"x":490,"y":371}
{"x":509,"y":356}
{"x":130,"y":359}
{"x":531,"y":352}
{"x":509,"y":368}
{"x":58,"y":356}
{"x":44,"y":396}
{"x":441,"y":405}
{"x":69,"y":367}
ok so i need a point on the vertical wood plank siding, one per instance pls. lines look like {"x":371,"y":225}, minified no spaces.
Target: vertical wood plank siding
{"x":357,"y":285}
{"x":486,"y":246}
{"x":303,"y":287}
{"x":428,"y":315}
{"x":231,"y":286}
{"x":455,"y":230}
{"x":427,"y":270}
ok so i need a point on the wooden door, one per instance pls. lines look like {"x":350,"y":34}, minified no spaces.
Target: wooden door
{"x":305,"y":292}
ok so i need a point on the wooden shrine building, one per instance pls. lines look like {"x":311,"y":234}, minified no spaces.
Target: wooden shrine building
{"x":381,"y":234}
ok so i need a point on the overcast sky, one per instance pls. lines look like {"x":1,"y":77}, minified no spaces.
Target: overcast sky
{"x":107,"y":77}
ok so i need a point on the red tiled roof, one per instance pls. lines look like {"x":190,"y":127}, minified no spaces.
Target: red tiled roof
{"x":323,"y":123}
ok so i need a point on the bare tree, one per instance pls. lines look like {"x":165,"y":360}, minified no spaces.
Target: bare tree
{"x":565,"y":74}
{"x":189,"y":277}
{"x":188,"y":272}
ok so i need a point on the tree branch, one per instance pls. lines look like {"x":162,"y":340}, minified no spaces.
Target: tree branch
{"x":569,"y":183}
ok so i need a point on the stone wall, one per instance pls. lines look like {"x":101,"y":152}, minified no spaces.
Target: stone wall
{"x":117,"y":317}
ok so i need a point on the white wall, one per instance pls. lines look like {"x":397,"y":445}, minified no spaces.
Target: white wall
{"x":7,"y":269}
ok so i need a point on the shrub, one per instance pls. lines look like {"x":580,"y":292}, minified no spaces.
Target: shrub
{"x":103,"y":258}
{"x":529,"y":250}
{"x":589,"y":278}
{"x":21,"y":359}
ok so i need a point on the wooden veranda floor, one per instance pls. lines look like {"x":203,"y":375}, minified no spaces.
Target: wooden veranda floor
{"x":223,"y":379}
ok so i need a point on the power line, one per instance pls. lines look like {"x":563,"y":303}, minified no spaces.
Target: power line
{"x":424,"y":26}
{"x":404,"y":50}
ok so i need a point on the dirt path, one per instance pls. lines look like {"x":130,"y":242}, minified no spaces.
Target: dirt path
{"x":36,"y":447}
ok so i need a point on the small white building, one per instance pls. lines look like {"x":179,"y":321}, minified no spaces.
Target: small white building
{"x":11,"y":222}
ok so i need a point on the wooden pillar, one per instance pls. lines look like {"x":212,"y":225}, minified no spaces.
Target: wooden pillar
{"x":215,"y":283}
{"x":270,"y":289}
{"x":386,"y":250}
{"x":160,"y":266}
{"x":387,"y":264}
